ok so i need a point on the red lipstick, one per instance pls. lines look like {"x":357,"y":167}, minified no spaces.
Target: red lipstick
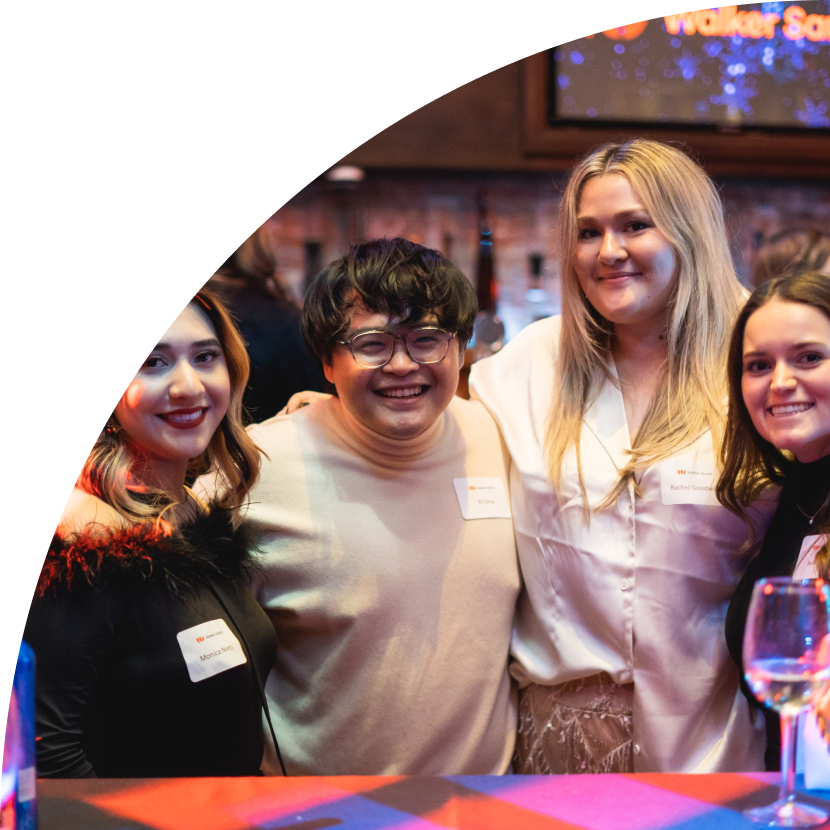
{"x":184,"y":418}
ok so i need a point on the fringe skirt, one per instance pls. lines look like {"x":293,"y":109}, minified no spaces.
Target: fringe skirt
{"x":581,"y":726}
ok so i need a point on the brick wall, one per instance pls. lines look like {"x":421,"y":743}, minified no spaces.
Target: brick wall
{"x":440,"y":210}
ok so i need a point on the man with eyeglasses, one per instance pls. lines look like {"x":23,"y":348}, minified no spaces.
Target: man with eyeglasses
{"x":388,"y":561}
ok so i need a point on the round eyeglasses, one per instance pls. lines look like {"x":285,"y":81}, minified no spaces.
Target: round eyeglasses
{"x":373,"y":349}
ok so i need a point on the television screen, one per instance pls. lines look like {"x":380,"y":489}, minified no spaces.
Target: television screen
{"x":760,"y":65}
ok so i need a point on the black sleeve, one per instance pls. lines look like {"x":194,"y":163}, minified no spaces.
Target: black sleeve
{"x":72,"y":634}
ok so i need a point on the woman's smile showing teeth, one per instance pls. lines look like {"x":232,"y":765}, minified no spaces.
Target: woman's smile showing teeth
{"x":789,"y":409}
{"x":785,"y":377}
{"x":179,"y":397}
{"x":184,"y":418}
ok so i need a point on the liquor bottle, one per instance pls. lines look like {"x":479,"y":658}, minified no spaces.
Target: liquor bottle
{"x":485,"y":283}
{"x":538,"y":302}
{"x":488,"y":334}
{"x":24,"y":691}
{"x":313,"y":251}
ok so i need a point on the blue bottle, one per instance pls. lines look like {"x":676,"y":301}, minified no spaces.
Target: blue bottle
{"x":24,"y":690}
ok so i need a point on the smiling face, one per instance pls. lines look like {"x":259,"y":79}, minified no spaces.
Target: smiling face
{"x":401,"y":399}
{"x":785,"y":378}
{"x":625,"y":266}
{"x":178,"y":398}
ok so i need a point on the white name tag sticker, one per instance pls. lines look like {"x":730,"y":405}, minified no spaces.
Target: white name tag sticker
{"x":210,"y":648}
{"x":685,"y":480}
{"x":816,"y":758}
{"x":482,"y":498}
{"x":26,"y":785}
{"x":805,"y":567}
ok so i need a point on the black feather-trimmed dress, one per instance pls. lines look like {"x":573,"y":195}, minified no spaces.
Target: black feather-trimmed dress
{"x":115,"y":695}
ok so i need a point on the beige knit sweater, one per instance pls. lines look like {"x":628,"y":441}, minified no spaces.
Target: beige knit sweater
{"x":393,"y":613}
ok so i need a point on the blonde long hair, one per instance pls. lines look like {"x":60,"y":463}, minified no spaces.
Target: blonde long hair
{"x":686,"y":209}
{"x":115,"y":465}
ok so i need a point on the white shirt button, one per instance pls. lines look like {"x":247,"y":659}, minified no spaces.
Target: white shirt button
{"x":636,"y":749}
{"x":624,"y":584}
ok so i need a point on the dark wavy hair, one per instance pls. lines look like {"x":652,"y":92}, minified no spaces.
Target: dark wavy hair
{"x":388,"y":276}
{"x":750,"y":463}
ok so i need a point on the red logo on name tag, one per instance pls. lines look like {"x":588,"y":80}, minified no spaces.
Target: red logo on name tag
{"x":200,"y":639}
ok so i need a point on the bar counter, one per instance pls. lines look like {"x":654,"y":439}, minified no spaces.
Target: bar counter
{"x":576,"y":802}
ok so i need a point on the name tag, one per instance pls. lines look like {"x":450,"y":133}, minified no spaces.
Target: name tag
{"x":815,"y":759}
{"x":805,"y":567}
{"x":688,"y":479}
{"x":26,"y":784}
{"x":210,"y":648}
{"x":482,"y":498}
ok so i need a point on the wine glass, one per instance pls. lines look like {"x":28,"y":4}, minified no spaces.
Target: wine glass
{"x":786,"y":644}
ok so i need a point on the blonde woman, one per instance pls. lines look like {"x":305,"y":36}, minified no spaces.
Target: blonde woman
{"x":151,"y":649}
{"x":612,"y":414}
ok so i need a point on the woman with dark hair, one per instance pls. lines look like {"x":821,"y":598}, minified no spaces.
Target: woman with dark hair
{"x":778,"y":432}
{"x":151,"y":649}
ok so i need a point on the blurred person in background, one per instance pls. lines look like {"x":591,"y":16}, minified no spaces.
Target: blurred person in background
{"x":270,"y":325}
{"x":789,"y":251}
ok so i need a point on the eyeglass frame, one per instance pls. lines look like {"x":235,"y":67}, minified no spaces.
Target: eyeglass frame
{"x":395,"y":338}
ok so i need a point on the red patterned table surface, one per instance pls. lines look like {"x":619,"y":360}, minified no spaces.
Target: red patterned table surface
{"x":577,"y":802}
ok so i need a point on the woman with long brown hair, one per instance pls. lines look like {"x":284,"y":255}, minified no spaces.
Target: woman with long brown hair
{"x":613,"y":414}
{"x":778,"y":433}
{"x":151,"y":649}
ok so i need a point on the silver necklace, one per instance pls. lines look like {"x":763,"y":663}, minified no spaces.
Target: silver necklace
{"x":807,"y":515}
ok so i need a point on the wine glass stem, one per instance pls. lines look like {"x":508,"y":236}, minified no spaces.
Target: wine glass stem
{"x":789,"y":737}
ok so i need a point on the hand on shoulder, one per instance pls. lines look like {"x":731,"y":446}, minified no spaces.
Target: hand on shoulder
{"x":84,"y":509}
{"x":301,"y":399}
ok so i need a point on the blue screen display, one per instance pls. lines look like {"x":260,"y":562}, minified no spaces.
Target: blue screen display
{"x":759,"y":65}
